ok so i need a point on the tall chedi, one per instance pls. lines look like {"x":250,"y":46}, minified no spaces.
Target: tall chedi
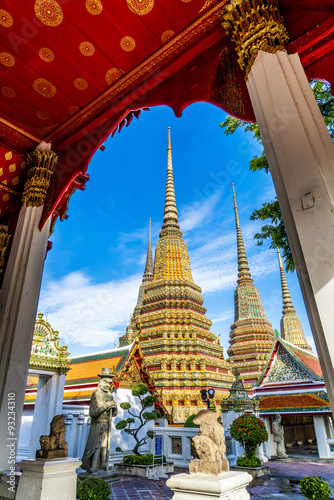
{"x":132,"y":330}
{"x":180,"y":352}
{"x":291,"y":328}
{"x":251,"y":336}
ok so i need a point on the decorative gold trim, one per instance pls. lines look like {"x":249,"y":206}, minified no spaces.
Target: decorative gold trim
{"x":154,"y":63}
{"x":40,"y":164}
{"x":4,"y":240}
{"x":254,"y":25}
{"x":7,"y":189}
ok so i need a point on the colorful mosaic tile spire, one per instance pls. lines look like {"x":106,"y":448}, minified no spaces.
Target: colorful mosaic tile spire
{"x":291,"y":328}
{"x":133,"y":329}
{"x":180,"y":352}
{"x":251,"y":336}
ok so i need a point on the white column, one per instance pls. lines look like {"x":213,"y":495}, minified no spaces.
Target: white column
{"x":18,"y":306}
{"x":301,"y":158}
{"x":321,"y":435}
{"x":48,"y":404}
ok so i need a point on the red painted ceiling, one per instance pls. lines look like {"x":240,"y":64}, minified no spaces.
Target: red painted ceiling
{"x":72,"y":70}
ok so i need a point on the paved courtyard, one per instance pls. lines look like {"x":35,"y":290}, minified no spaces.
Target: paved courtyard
{"x":282,"y":483}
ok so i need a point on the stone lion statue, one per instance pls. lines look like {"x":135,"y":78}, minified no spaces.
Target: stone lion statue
{"x":208,"y":448}
{"x":55,"y":440}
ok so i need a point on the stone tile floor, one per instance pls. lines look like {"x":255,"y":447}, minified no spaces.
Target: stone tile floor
{"x":282,"y":483}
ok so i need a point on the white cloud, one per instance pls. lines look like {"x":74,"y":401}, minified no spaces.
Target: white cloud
{"x":191,"y":216}
{"x":88,"y":313}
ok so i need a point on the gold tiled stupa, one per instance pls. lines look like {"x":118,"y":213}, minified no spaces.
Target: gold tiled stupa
{"x":251,"y":336}
{"x":180,"y":352}
{"x":291,"y":327}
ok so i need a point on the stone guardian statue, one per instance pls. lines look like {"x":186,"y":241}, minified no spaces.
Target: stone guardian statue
{"x":278,"y":433}
{"x":102,"y":408}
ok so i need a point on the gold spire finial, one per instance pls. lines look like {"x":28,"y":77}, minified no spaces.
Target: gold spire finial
{"x":170,"y":213}
{"x":244,"y":274}
{"x":148,"y":273}
{"x":287,"y":302}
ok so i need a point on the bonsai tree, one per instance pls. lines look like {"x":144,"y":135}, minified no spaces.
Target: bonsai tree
{"x":250,"y":432}
{"x":134,"y":423}
{"x":315,"y":488}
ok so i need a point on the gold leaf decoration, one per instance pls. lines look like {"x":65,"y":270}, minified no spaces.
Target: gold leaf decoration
{"x":5,"y":197}
{"x":42,"y":115}
{"x":15,"y":181}
{"x":80,"y":83}
{"x":127,"y":43}
{"x":49,"y":12}
{"x":73,"y":109}
{"x":167,"y":35}
{"x":8,"y":92}
{"x":112,"y":75}
{"x":12,"y":167}
{"x":94,"y":7}
{"x":6,"y":19}
{"x":46,"y":54}
{"x":9,"y":155}
{"x":86,"y":48}
{"x":44,"y":88}
{"x":140,"y":7}
{"x":7,"y":59}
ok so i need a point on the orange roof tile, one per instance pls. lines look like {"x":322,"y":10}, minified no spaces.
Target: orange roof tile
{"x":292,"y":401}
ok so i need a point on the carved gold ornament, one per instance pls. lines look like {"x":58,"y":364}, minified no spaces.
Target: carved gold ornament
{"x":44,"y":88}
{"x":6,"y":19}
{"x":8,"y":92}
{"x":94,"y":7}
{"x":254,"y":25}
{"x":7,"y":59}
{"x":42,"y":115}
{"x":167,"y":35}
{"x":140,"y":7}
{"x":4,"y":240}
{"x":127,"y":43}
{"x":86,"y":48}
{"x":40,"y":169}
{"x":49,"y":12}
{"x":46,"y":54}
{"x":80,"y":83}
{"x":112,"y":75}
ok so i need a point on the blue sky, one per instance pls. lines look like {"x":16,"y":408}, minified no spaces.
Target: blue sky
{"x":93,"y":272}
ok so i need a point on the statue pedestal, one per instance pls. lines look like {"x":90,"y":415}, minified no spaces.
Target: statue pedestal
{"x":226,"y":486}
{"x":48,"y":479}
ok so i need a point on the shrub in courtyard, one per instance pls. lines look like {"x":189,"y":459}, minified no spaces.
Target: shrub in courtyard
{"x":134,"y":423}
{"x":315,"y":488}
{"x":146,"y":459}
{"x":93,"y":488}
{"x":250,"y":431}
{"x":189,"y":422}
{"x":244,"y":461}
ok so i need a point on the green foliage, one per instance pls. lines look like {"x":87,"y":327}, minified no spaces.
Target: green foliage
{"x":315,"y":488}
{"x":244,"y":461}
{"x":146,"y":459}
{"x":133,"y":424}
{"x":250,"y":431}
{"x":93,"y":488}
{"x":118,"y":448}
{"x":274,"y":231}
{"x":189,"y":422}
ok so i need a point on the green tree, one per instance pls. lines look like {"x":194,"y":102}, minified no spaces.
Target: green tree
{"x":274,"y":230}
{"x":133,"y":424}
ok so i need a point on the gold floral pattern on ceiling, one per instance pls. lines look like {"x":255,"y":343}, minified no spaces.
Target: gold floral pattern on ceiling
{"x":81,"y":83}
{"x":140,"y":7}
{"x":49,"y":12}
{"x":6,"y":19}
{"x":127,"y":43}
{"x":94,"y":7}
{"x":87,"y":48}
{"x":112,"y":75}
{"x":167,"y":35}
{"x":44,"y":88}
{"x":8,"y":92}
{"x":46,"y":54}
{"x":7,"y":59}
{"x":42,"y":115}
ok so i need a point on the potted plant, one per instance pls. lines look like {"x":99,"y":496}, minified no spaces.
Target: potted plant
{"x":135,"y":463}
{"x":315,"y":488}
{"x":250,"y":432}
